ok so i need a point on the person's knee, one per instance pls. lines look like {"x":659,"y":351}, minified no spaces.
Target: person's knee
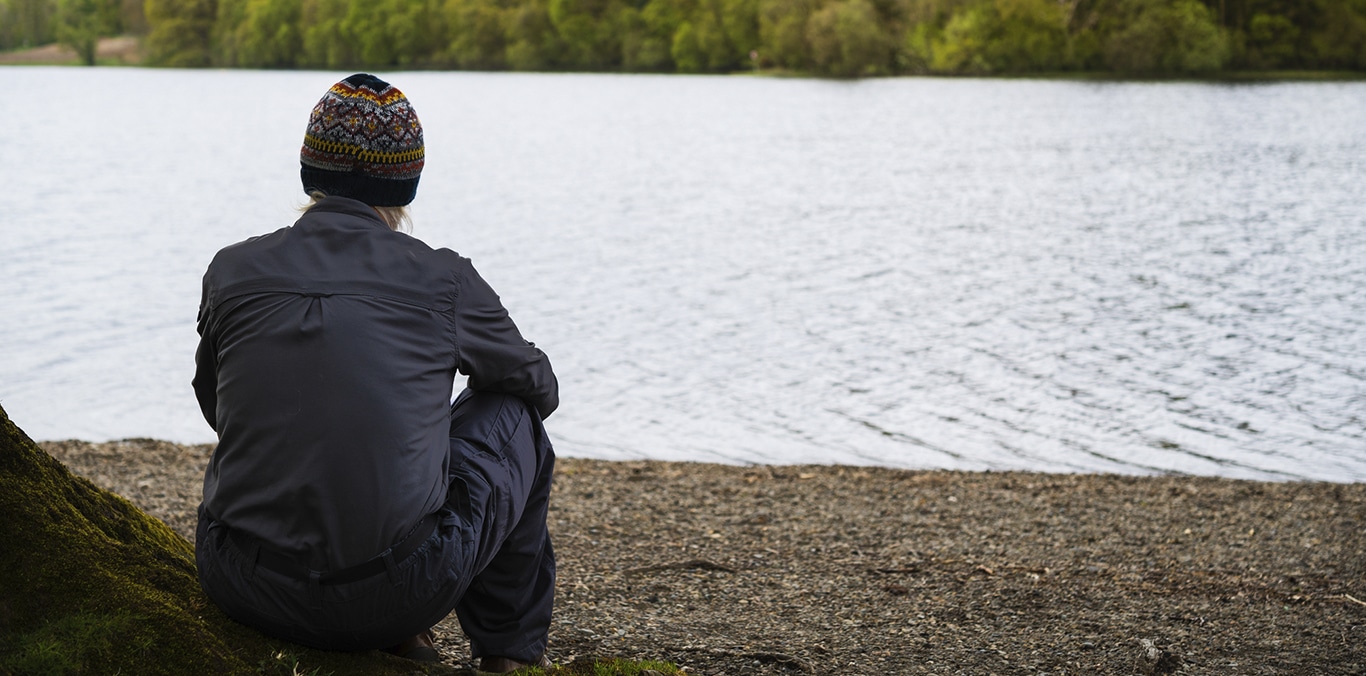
{"x":472,"y":403}
{"x":491,"y":421}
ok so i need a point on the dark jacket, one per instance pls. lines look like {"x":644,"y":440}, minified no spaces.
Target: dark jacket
{"x":327,"y":355}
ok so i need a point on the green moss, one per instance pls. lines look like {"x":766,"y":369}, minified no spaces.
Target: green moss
{"x":94,"y":585}
{"x":70,"y":643}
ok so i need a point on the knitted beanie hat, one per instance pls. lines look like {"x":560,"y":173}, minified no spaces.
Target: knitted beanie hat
{"x":364,"y":142}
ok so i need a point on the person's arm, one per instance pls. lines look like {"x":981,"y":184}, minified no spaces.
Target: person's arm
{"x":206,"y":367}
{"x":493,"y":353}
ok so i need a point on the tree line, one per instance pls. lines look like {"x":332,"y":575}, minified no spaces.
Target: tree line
{"x":844,"y":38}
{"x":76,"y":23}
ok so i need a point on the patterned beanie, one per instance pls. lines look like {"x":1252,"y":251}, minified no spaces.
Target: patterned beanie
{"x":364,"y":142}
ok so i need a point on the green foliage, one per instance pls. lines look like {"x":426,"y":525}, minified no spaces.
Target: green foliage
{"x":846,"y":40}
{"x":916,"y":51}
{"x":701,"y":41}
{"x":935,"y":12}
{"x":1340,"y":41}
{"x":478,"y":40}
{"x":634,"y":37}
{"x":589,"y":32}
{"x":75,"y":23}
{"x":782,"y":33}
{"x":740,"y":21}
{"x":1001,"y":36}
{"x":962,"y":46}
{"x":701,"y":35}
{"x":1033,"y":36}
{"x":533,"y":42}
{"x":324,"y":43}
{"x":1271,"y":40}
{"x":365,"y":25}
{"x":415,"y":30}
{"x":339,"y":34}
{"x":713,"y":44}
{"x":686,"y":52}
{"x":258,"y":33}
{"x":26,"y":23}
{"x":1172,"y":37}
{"x":842,"y":38}
{"x":648,"y":41}
{"x":81,"y":23}
{"x":180,"y":32}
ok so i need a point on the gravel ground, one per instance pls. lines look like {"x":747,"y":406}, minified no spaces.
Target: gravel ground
{"x":850,"y":570}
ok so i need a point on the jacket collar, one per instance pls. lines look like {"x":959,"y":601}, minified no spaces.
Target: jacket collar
{"x":349,"y":207}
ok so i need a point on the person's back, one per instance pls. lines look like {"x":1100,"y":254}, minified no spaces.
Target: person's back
{"x":334,"y":346}
{"x":328,"y":351}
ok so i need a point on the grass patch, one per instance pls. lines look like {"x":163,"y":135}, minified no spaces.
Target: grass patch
{"x":606,"y":667}
{"x":287,"y":662}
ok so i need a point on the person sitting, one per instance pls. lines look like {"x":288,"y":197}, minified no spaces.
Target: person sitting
{"x":349,"y":503}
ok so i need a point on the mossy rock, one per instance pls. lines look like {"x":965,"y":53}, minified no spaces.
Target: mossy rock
{"x":89,"y":584}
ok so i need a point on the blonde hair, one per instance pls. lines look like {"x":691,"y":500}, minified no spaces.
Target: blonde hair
{"x":397,"y":218}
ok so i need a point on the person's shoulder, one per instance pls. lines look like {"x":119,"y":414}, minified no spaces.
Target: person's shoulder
{"x":450,"y":258}
{"x":249,"y":246}
{"x":238,"y":262}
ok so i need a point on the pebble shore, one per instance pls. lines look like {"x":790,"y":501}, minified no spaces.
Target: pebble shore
{"x":854,"y":570}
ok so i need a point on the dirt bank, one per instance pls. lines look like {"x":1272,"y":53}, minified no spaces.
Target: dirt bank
{"x":123,"y":50}
{"x":779,"y":570}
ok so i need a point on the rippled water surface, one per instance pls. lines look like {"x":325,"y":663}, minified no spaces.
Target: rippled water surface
{"x":977,"y":274}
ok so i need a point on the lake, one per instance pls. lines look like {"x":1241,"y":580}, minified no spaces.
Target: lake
{"x":924,"y":273}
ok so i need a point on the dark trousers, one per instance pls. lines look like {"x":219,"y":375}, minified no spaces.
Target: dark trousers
{"x":490,"y":558}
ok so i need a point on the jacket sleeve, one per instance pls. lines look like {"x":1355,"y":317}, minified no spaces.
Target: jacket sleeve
{"x":493,"y":353}
{"x":205,"y":381}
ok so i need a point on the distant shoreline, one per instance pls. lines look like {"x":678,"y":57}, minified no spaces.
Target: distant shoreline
{"x":126,"y":50}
